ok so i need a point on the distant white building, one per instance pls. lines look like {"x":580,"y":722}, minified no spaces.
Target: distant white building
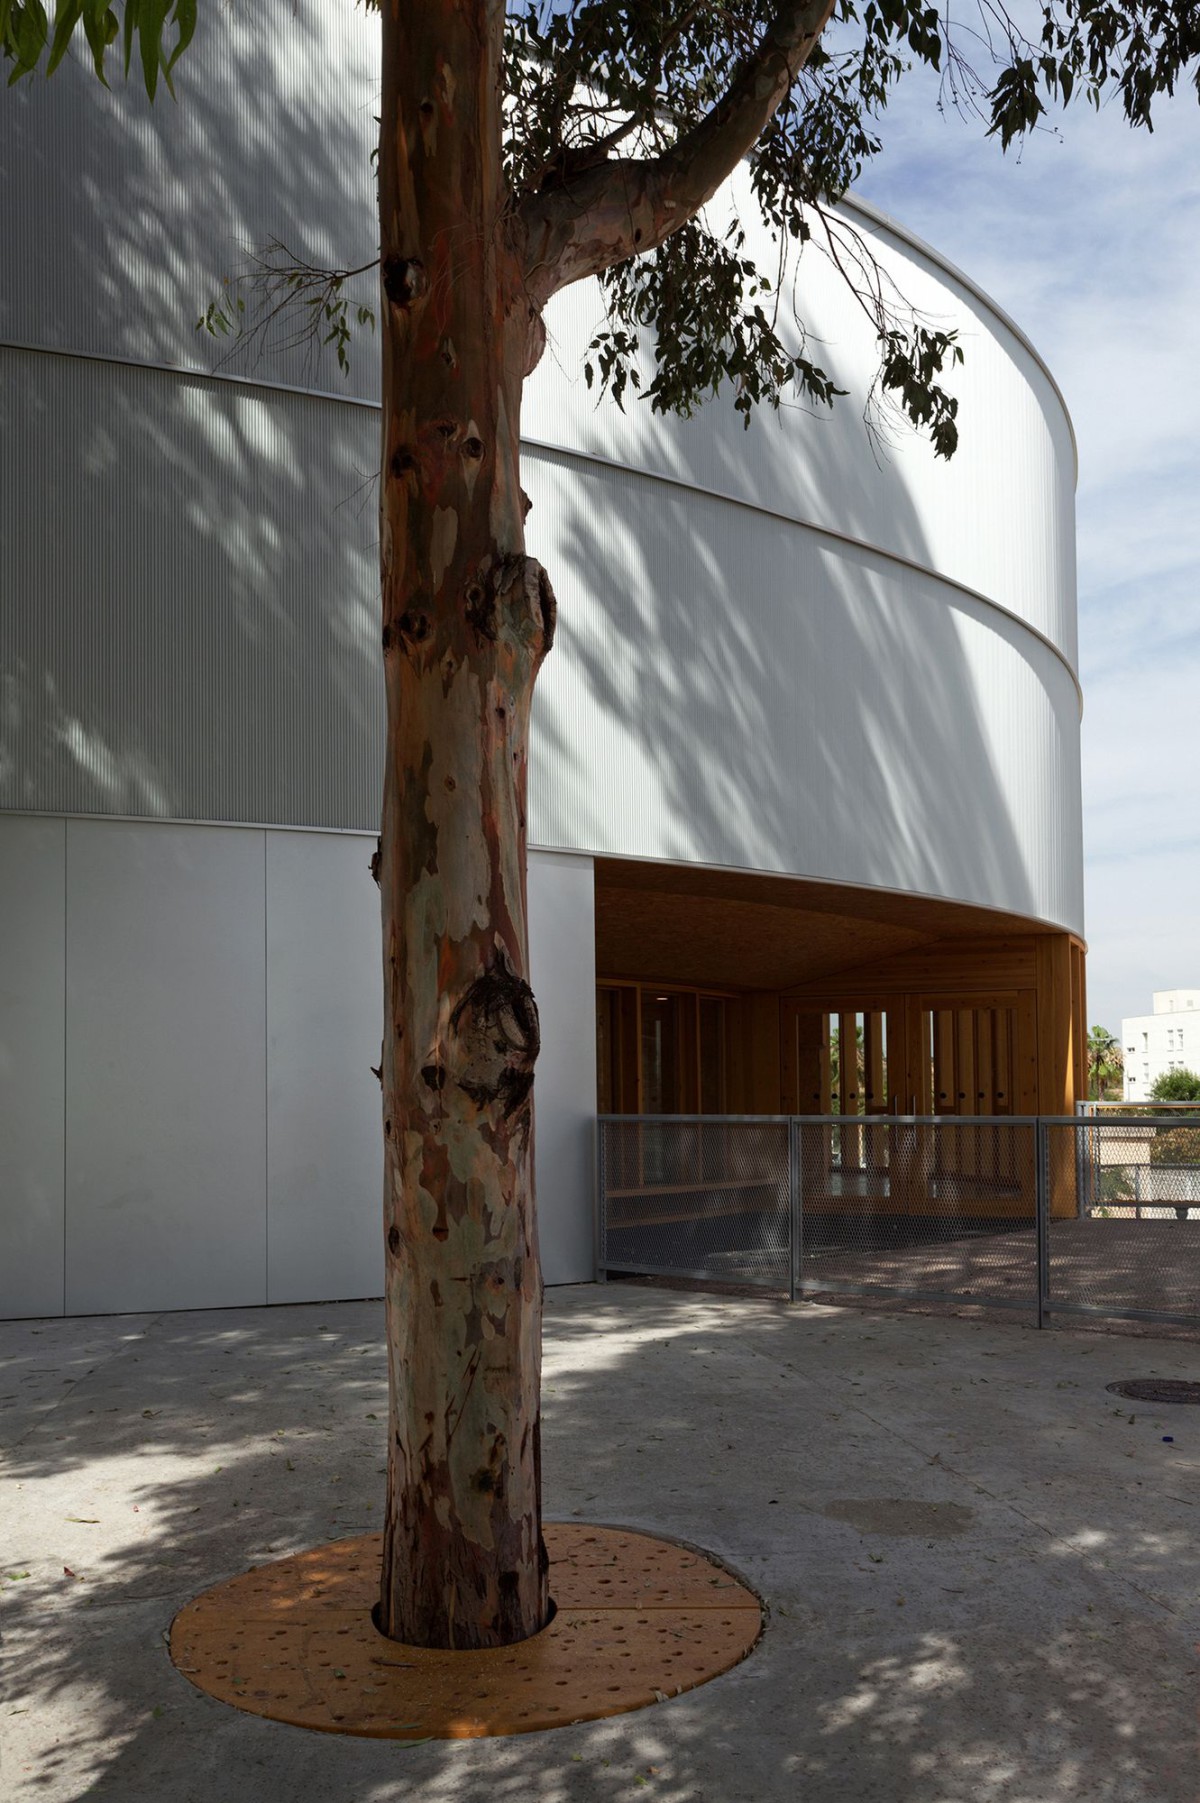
{"x":1167,"y":1040}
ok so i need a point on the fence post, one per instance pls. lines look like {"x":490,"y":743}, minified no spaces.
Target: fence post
{"x":1041,"y":1190}
{"x":1085,"y":1183}
{"x":795,"y":1215}
{"x":601,"y":1235}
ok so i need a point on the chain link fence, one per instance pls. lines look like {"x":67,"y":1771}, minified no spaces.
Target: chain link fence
{"x":1042,"y":1216}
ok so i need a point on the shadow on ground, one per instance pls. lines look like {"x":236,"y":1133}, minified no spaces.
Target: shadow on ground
{"x":1034,"y":1641}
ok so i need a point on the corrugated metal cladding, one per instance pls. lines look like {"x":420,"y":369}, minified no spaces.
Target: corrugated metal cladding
{"x":121,"y":217}
{"x":999,"y":517}
{"x":732,"y":689}
{"x":188,"y":618}
{"x":188,"y":581}
{"x":196,"y":638}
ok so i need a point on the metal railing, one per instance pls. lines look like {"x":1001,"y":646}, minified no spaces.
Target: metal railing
{"x":1045,"y":1216}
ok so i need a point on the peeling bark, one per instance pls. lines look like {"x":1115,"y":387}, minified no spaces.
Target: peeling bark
{"x":467,"y":619}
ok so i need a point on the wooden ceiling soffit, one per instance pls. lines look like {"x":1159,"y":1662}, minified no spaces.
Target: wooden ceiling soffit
{"x":922,"y":915}
{"x":658,"y":936}
{"x":994,"y":966}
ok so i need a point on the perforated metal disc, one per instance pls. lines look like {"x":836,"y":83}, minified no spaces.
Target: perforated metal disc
{"x":638,"y":1620}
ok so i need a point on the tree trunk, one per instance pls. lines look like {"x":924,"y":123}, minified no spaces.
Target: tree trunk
{"x":467,"y":619}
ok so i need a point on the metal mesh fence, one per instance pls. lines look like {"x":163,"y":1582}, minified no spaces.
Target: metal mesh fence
{"x":941,"y":1211}
{"x":696,"y":1197}
{"x":1048,"y":1217}
{"x":1124,"y":1217}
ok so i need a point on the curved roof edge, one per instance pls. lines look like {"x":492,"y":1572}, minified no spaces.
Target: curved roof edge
{"x":189,"y":373}
{"x":877,"y":216}
{"x":1037,"y":922}
{"x":856,"y":203}
{"x":1045,"y":922}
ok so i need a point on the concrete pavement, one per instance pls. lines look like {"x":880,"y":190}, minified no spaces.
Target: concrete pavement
{"x":983,"y":1569}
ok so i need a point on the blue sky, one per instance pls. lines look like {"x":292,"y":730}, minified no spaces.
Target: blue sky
{"x":1091,"y":241}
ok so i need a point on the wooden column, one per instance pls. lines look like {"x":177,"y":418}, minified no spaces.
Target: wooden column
{"x":1061,"y":1055}
{"x":804,"y":1059}
{"x":756,"y":1072}
{"x":1055,"y":1024}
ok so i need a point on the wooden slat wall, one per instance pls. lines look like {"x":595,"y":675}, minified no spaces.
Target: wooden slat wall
{"x":1004,"y":1084}
{"x":847,"y":1064}
{"x":897,"y":1064}
{"x":995,"y":1026}
{"x":985,"y":1044}
{"x":689,"y":1053}
{"x":757,"y":1069}
{"x":919,"y":1072}
{"x":1027,"y":1052}
{"x":944,"y":1095}
{"x":1079,"y":1002}
{"x":873,"y":1062}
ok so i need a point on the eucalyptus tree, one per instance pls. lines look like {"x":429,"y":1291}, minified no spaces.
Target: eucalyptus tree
{"x":521,"y":150}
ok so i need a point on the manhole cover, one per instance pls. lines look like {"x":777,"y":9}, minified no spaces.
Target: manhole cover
{"x":1157,"y":1389}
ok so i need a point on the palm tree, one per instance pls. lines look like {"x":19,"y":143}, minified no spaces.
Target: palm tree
{"x":1106,"y":1064}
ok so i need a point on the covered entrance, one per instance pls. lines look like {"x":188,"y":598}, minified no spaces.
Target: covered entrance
{"x":728,"y":993}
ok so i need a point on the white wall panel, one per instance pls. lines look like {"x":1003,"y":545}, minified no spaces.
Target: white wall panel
{"x":31,"y":1065}
{"x":731,"y":685}
{"x":324,"y":1018}
{"x":130,"y":283}
{"x":562,"y":956}
{"x":166,"y":1078}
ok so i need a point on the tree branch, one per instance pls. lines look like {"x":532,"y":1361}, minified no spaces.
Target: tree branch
{"x":293,"y":303}
{"x":580,"y":223}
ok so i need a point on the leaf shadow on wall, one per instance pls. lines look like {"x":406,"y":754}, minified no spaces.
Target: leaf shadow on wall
{"x":734,"y":685}
{"x":195,"y":560}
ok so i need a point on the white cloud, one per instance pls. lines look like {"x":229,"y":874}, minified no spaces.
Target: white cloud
{"x":1090,"y":241}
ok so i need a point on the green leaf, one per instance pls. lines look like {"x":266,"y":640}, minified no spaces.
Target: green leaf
{"x":185,"y":20}
{"x":96,"y":31}
{"x":152,"y":16}
{"x":28,"y":30}
{"x":66,"y":17}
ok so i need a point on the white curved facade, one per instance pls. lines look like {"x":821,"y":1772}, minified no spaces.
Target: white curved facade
{"x":779,"y":653}
{"x":899,"y":631}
